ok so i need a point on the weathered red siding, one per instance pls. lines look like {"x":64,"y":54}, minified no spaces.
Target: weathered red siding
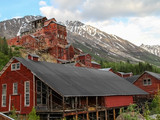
{"x":20,"y":76}
{"x":153,"y":88}
{"x":118,"y":101}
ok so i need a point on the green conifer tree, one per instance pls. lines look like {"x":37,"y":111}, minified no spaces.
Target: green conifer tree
{"x":33,"y":115}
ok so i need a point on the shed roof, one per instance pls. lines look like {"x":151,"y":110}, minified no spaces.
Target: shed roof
{"x":76,"y":81}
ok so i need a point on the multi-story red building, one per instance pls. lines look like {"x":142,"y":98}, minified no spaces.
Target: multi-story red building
{"x":58,"y":91}
{"x":51,"y":36}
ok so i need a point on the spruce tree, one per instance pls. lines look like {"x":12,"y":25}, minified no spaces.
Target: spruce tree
{"x":33,"y":115}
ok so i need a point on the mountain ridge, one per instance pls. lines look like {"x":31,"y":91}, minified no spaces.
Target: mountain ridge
{"x":99,"y":44}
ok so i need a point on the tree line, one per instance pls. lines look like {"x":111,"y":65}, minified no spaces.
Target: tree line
{"x":6,"y":52}
{"x":136,"y":69}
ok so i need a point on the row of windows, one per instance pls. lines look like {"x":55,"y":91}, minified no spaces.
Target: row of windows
{"x":147,"y":82}
{"x":15,"y":66}
{"x":15,"y":92}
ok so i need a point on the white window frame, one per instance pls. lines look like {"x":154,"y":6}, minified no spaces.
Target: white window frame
{"x":16,"y":64}
{"x":25,"y":93}
{"x":14,"y":89}
{"x":147,"y":83}
{"x":4,"y":95}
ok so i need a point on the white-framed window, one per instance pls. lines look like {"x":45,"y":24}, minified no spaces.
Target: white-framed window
{"x":4,"y":95}
{"x":15,"y":88}
{"x":147,"y":82}
{"x":27,"y":93}
{"x":15,"y":66}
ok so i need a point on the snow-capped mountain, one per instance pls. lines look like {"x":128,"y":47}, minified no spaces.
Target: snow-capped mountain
{"x":90,"y":39}
{"x":154,"y":49}
{"x":11,"y":28}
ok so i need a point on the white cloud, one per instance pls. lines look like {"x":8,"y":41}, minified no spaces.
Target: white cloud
{"x":68,"y":4}
{"x":60,"y":15}
{"x":104,"y":9}
{"x":42,"y":3}
{"x":137,"y":30}
{"x":136,"y":20}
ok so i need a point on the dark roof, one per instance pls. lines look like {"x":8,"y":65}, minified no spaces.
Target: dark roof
{"x":77,"y":81}
{"x":132,"y":79}
{"x":156,"y":75}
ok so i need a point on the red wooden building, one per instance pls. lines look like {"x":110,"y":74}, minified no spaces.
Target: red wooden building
{"x":58,"y":91}
{"x":149,"y":82}
{"x":124,"y":75}
{"x":51,"y":36}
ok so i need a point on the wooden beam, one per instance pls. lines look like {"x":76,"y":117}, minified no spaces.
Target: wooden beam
{"x":63,"y":107}
{"x":114,"y":114}
{"x":106,"y":114}
{"x":51,"y":99}
{"x":97,"y":115}
{"x":87,"y":116}
{"x":76,"y":108}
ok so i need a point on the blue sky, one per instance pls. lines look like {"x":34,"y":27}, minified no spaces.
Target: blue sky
{"x":137,"y":21}
{"x":18,"y":8}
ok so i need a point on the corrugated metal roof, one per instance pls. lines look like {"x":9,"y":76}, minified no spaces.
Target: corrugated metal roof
{"x":77,"y":81}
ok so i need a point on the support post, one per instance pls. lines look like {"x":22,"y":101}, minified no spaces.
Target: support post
{"x":97,"y":116}
{"x":51,"y":99}
{"x":87,"y":108}
{"x":114,"y":114}
{"x":106,"y":116}
{"x":76,"y":108}
{"x":63,"y":107}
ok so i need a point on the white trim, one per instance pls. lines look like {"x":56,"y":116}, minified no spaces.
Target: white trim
{"x":15,"y":66}
{"x":5,"y":95}
{"x":13,"y":88}
{"x":26,"y":93}
{"x":34,"y":90}
{"x":9,"y":103}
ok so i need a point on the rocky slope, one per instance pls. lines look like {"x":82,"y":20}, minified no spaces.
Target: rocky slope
{"x":92,"y":40}
{"x":154,"y":49}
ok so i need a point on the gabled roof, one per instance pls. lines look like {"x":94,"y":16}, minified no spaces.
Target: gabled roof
{"x":132,"y":79}
{"x":156,"y":75}
{"x":76,"y":81}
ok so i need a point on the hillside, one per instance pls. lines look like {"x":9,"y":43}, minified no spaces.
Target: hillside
{"x":154,"y":49}
{"x":90,"y":39}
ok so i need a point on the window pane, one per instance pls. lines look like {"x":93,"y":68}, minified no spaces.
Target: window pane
{"x":144,"y":82}
{"x":15,"y":88}
{"x":27,"y":99}
{"x":13,"y":66}
{"x":4,"y":89}
{"x":27,"y":94}
{"x":18,"y":65}
{"x":4,"y":100}
{"x":149,"y":82}
{"x":38,"y":98}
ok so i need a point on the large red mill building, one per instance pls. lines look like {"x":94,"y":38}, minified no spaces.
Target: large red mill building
{"x":59,"y":91}
{"x":51,"y":36}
